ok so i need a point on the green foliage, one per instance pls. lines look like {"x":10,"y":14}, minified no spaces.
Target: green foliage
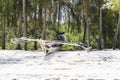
{"x":115,"y":5}
{"x":73,"y":27}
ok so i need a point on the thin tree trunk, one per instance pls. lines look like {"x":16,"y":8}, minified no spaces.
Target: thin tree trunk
{"x":84,"y":35}
{"x":88,"y":32}
{"x":59,"y":15}
{"x":3,"y":32}
{"x":119,"y":33}
{"x":35,"y":43}
{"x":19,"y":32}
{"x":87,"y":19}
{"x":100,"y":31}
{"x":104,"y":36}
{"x":116,"y":34}
{"x":55,"y":8}
{"x":25,"y":22}
{"x":69,"y":20}
{"x":35,"y":35}
{"x":44,"y":26}
{"x":40,"y":19}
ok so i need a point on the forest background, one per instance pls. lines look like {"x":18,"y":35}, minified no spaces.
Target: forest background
{"x":93,"y":22}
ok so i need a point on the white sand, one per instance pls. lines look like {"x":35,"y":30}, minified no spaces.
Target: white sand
{"x":61,"y":65}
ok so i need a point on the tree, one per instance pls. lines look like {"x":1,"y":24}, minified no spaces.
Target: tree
{"x":19,"y":32}
{"x":44,"y":26}
{"x":25,"y":22}
{"x":116,"y":6}
{"x":3,"y":6}
{"x":35,"y":22}
{"x":3,"y":31}
{"x":100,"y":24}
{"x":117,"y":33}
{"x":44,"y":9}
{"x":20,"y":20}
{"x":87,"y":19}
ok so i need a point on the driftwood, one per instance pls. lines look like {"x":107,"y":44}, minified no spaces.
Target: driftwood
{"x":49,"y":43}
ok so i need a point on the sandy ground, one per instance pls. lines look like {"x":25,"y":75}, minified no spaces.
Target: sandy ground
{"x":61,"y":65}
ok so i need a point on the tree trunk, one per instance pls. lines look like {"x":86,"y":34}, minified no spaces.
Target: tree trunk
{"x":44,"y":26}
{"x":35,"y":35}
{"x":119,"y":33}
{"x":88,"y":31}
{"x":59,"y":15}
{"x":25,"y":22}
{"x":69,"y":20}
{"x":116,"y":34}
{"x":84,"y":35}
{"x":19,"y":32}
{"x":40,"y":19}
{"x":3,"y":32}
{"x":104,"y":36}
{"x":87,"y":19}
{"x":55,"y":8}
{"x":100,"y":30}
